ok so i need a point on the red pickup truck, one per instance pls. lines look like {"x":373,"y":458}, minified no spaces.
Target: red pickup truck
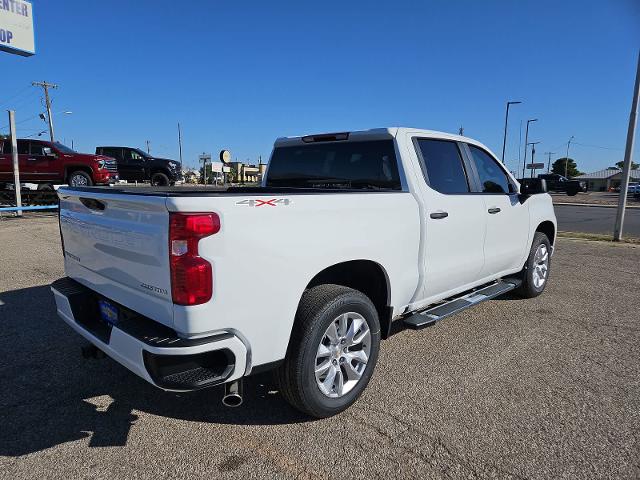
{"x":45,"y":162}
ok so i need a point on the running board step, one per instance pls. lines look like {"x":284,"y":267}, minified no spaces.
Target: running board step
{"x":455,"y":305}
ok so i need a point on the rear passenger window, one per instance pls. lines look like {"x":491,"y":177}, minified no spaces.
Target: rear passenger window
{"x":23,"y":147}
{"x":492,"y":177}
{"x":112,"y":152}
{"x":36,"y":149}
{"x":443,"y":167}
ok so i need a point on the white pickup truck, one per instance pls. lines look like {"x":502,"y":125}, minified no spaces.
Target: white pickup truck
{"x":350,"y":234}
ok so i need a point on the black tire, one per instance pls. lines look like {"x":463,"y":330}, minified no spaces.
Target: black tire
{"x":528,"y":289}
{"x":296,"y":379}
{"x":572,"y":193}
{"x":75,"y":179}
{"x":159,"y":179}
{"x":45,"y":187}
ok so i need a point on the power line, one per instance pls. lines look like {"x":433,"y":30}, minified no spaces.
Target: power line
{"x":22,"y":121}
{"x":597,"y":146}
{"x":15,"y":95}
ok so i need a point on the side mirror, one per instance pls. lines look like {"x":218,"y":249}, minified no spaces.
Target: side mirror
{"x":532,"y":186}
{"x":49,"y":153}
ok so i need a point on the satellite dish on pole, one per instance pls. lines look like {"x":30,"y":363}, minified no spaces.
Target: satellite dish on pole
{"x":225,"y":156}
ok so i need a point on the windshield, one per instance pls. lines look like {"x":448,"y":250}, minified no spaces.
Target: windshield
{"x":349,"y":165}
{"x":63,"y":148}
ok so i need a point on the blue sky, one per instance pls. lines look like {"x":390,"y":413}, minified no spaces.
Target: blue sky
{"x":239,"y":74}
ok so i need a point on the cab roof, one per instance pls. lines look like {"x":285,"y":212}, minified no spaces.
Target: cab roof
{"x":373,"y":134}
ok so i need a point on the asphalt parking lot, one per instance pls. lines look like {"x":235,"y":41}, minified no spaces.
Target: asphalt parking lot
{"x":543,"y":388}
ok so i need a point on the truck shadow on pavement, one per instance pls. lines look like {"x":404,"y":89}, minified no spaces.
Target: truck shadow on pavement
{"x":51,"y":395}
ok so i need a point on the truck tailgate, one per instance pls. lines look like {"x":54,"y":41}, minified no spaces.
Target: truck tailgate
{"x":117,"y":245}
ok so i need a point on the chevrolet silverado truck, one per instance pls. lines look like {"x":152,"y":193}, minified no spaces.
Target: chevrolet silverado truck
{"x":558,"y":183}
{"x":137,"y":165}
{"x":50,"y":163}
{"x":350,"y":237}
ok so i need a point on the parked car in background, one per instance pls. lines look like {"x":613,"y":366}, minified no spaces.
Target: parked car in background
{"x":47,"y":163}
{"x":558,"y":183}
{"x":349,"y":232}
{"x":634,"y":187}
{"x":137,"y":165}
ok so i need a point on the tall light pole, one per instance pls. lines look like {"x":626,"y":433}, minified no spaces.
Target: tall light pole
{"x":566,"y":158}
{"x":506,"y":121}
{"x":526,"y":140}
{"x":549,"y":162}
{"x":180,"y":142}
{"x":533,"y":154}
{"x":628,"y":154}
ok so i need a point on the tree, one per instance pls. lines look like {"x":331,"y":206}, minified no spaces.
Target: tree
{"x":634,"y":166}
{"x":572,"y":168}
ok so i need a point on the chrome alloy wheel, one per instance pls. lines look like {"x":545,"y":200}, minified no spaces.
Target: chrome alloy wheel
{"x":342,"y":355}
{"x":540,"y":266}
{"x":78,"y":181}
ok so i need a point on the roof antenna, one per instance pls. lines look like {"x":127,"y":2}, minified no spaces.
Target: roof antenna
{"x":461,"y":130}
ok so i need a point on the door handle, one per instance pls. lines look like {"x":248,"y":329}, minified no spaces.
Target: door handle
{"x":32,"y":159}
{"x":439,"y":215}
{"x":494,"y":210}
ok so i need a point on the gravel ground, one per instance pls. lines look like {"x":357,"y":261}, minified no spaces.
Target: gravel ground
{"x":543,"y":388}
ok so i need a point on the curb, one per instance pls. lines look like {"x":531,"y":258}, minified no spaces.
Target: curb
{"x":593,"y":205}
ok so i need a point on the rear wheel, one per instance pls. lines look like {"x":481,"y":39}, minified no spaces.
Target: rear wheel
{"x":80,"y":179}
{"x":572,"y":193}
{"x":537,"y":268}
{"x":45,"y":187}
{"x":159,"y":180}
{"x":332,"y":351}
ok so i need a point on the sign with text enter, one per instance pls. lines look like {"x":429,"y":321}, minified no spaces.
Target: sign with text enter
{"x":16,"y":27}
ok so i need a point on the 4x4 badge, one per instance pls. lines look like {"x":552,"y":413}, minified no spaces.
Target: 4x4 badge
{"x":272,"y":202}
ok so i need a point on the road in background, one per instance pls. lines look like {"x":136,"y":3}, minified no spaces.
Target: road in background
{"x":541,"y":388}
{"x":574,"y":218}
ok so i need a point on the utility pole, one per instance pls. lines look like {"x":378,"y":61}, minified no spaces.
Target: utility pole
{"x":566,"y":159}
{"x":180,"y":142}
{"x":506,"y":120}
{"x":46,"y":86}
{"x":628,"y":155}
{"x":14,"y":155}
{"x":526,"y":140}
{"x":549,"y":162}
{"x":148,"y":147}
{"x":533,"y":154}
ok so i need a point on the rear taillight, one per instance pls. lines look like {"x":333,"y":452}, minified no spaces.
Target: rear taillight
{"x":191,"y":275}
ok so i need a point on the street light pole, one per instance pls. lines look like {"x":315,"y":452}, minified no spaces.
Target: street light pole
{"x":526,"y":139}
{"x":566,"y":159}
{"x":506,"y":121}
{"x":549,"y":162}
{"x":533,"y":153}
{"x":628,"y":155}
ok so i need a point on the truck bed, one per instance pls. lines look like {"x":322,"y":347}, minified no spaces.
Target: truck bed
{"x":220,"y":192}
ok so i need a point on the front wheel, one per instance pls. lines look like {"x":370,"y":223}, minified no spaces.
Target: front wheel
{"x":537,"y":268}
{"x":80,"y":179}
{"x":332,"y":351}
{"x":159,"y":180}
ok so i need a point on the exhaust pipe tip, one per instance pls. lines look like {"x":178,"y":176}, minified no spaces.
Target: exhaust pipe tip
{"x":232,"y":394}
{"x":232,"y":400}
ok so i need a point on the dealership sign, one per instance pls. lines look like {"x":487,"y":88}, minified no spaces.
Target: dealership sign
{"x":16,"y":27}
